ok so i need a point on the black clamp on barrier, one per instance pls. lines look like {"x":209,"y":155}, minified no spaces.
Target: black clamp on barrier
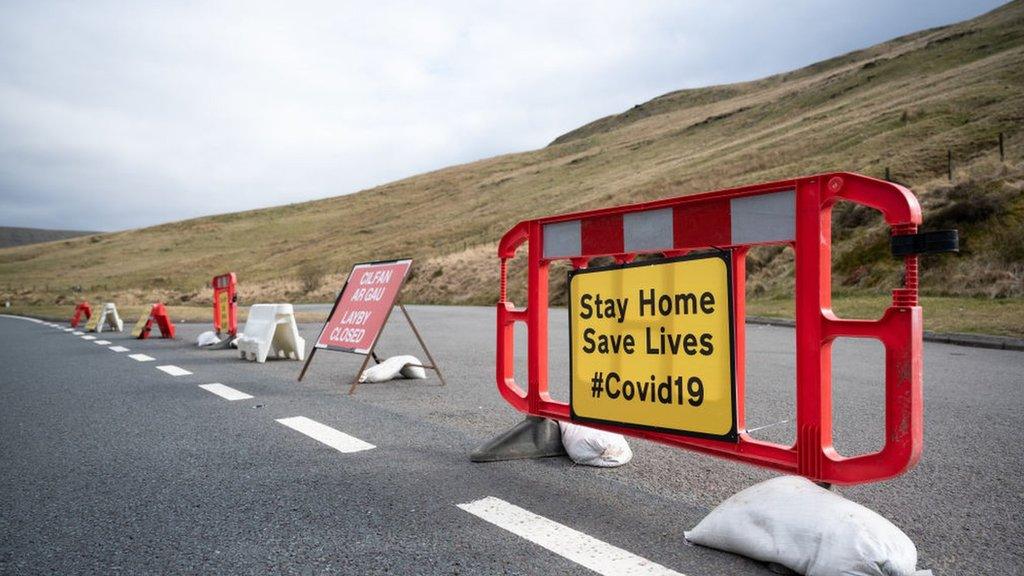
{"x":935,"y":242}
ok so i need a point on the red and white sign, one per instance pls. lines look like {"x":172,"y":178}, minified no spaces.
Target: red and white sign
{"x":363,"y":306}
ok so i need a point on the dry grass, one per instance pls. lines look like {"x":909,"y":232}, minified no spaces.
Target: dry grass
{"x":899,"y":104}
{"x":941,"y":314}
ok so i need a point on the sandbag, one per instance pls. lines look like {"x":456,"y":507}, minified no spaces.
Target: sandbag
{"x":405,"y":366}
{"x":594,"y":447}
{"x":791,"y":521}
{"x":207,"y":338}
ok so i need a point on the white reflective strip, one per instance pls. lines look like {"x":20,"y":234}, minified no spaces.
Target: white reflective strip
{"x":582,"y":549}
{"x":141,"y":358}
{"x":68,"y":329}
{"x":77,"y":333}
{"x":173,"y":370}
{"x":118,"y":349}
{"x":101,"y":342}
{"x":335,"y":439}
{"x":88,"y":337}
{"x":225,"y":392}
{"x":648,"y":230}
{"x":562,"y":239}
{"x":764,"y":218}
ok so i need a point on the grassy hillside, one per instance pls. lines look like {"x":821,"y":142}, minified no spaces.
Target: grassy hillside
{"x":14,"y":236}
{"x":900,"y":105}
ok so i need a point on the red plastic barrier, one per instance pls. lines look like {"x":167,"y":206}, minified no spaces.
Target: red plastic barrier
{"x":159,"y":315}
{"x":225,"y":303}
{"x":82,"y":309}
{"x":790,"y":212}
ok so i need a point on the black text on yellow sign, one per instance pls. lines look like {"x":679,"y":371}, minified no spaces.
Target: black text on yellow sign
{"x":652,"y":346}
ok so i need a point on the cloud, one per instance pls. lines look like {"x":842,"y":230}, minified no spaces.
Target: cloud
{"x":120,"y":114}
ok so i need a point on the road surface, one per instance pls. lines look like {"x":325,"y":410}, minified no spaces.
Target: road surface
{"x":110,"y":464}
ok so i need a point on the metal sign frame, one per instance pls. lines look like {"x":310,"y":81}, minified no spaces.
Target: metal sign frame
{"x":371,"y":352}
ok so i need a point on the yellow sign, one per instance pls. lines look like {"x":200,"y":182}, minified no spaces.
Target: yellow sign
{"x":222,"y":306}
{"x":93,"y":323}
{"x":652,"y":346}
{"x":140,"y":326}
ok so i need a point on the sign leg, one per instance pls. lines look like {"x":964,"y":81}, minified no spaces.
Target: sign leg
{"x":433,"y":363}
{"x":306,"y":365}
{"x":355,"y":381}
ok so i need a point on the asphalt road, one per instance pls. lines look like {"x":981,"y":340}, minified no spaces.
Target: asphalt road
{"x":109,"y":465}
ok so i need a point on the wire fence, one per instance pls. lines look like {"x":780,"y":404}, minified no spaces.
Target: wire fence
{"x":1000,"y":141}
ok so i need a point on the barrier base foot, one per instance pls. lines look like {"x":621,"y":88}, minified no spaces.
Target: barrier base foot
{"x":534,"y":437}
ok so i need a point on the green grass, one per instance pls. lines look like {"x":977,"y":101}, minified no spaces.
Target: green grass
{"x":1000,"y":317}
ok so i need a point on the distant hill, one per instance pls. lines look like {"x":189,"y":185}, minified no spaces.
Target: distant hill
{"x":14,"y":236}
{"x":899,"y":105}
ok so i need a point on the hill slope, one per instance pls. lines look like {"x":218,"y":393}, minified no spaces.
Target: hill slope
{"x":14,"y":236}
{"x":900,"y":104}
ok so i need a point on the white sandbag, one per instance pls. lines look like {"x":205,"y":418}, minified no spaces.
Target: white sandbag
{"x":393,"y":367}
{"x":207,"y":338}
{"x":793,"y":522}
{"x":594,"y":447}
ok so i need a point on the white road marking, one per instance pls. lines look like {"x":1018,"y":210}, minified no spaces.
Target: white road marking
{"x":335,"y":439}
{"x":141,"y":358}
{"x":77,"y":333}
{"x":225,"y":392}
{"x":173,"y":370}
{"x":582,"y":549}
{"x":118,"y":349}
{"x":101,"y":342}
{"x":87,"y":337}
{"x":16,"y":317}
{"x":68,"y":329}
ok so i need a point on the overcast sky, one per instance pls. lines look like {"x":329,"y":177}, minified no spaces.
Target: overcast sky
{"x":117,"y":115}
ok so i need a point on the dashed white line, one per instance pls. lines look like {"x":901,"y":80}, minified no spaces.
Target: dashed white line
{"x":77,"y":333}
{"x":118,"y":349}
{"x":87,"y":337}
{"x":335,"y":439}
{"x":101,"y":342}
{"x":68,"y":329}
{"x":225,"y":392}
{"x":141,"y":358}
{"x":173,"y":370}
{"x":582,"y":549}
